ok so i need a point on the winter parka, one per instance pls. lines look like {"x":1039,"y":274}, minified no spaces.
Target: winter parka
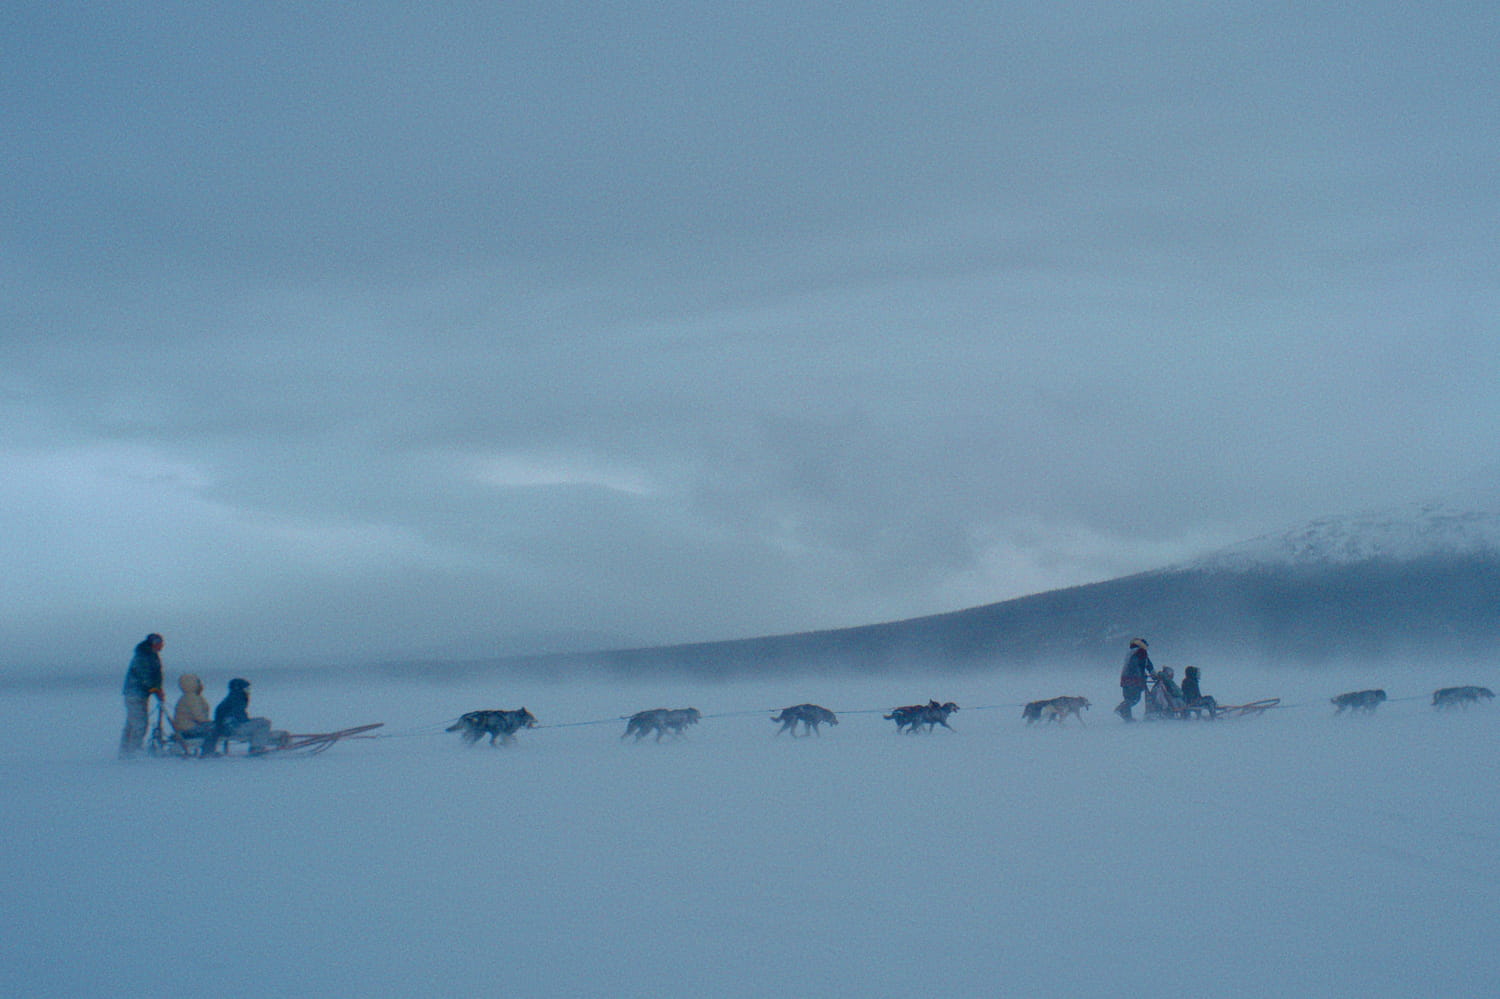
{"x":192,"y":708}
{"x":1137,"y":668}
{"x":143,"y":678}
{"x":234,"y":708}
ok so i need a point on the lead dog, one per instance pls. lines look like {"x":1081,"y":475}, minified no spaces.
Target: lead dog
{"x":1056,"y":709}
{"x":930,"y":714}
{"x":496,"y":724}
{"x":661,"y":721}
{"x":810,"y":715}
{"x":1449,"y":697}
{"x":1358,"y":700}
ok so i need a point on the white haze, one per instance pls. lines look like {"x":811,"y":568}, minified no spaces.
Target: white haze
{"x":1294,"y":854}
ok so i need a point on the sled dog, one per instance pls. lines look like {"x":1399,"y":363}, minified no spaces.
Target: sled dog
{"x":930,"y":714}
{"x":661,"y":721}
{"x":810,"y":715}
{"x":1358,"y":700}
{"x":1449,"y":697}
{"x":1055,"y":709}
{"x":496,"y":724}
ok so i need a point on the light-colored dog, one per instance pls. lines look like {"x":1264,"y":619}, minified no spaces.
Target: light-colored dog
{"x":1056,"y":709}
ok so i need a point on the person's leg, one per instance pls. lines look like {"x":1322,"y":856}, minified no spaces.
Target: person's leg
{"x":258,"y":731}
{"x":134,"y":732}
{"x":199,"y":737}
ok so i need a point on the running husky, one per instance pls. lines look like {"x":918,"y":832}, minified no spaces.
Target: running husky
{"x":661,"y":721}
{"x":1055,"y":709}
{"x":1358,"y":700}
{"x":810,"y":715}
{"x":930,"y":714}
{"x":496,"y":724}
{"x":1450,"y":697}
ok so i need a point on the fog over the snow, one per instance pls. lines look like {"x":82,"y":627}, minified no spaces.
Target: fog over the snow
{"x":1294,"y":854}
{"x":338,"y":335}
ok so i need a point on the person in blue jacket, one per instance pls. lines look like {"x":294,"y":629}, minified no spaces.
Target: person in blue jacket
{"x":1133,"y":677}
{"x":142,"y":682}
{"x":232,"y":721}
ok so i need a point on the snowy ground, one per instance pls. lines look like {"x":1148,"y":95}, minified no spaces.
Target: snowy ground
{"x":1296,"y":854}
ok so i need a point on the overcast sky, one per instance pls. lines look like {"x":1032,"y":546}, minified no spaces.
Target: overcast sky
{"x":378,"y":331}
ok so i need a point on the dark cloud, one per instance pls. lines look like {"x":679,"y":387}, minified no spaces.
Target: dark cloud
{"x":407,"y":332}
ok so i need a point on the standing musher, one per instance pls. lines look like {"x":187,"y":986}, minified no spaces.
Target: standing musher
{"x":1133,"y":677}
{"x":142,"y":682}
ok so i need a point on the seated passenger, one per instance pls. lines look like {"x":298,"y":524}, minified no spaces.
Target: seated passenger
{"x":192,"y":718}
{"x":1165,"y":697}
{"x":232,"y":721}
{"x":1193,"y":695}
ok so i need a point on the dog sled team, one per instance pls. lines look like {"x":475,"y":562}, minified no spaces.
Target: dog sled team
{"x":198,"y":731}
{"x":1140,"y":680}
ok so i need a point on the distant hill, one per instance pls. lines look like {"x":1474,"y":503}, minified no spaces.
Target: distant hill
{"x":1418,"y":584}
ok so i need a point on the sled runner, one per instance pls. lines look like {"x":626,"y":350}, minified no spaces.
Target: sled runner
{"x":321,"y":741}
{"x":1247,"y":710}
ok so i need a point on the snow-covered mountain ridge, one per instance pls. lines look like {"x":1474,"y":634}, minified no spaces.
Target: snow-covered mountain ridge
{"x":1419,"y":581}
{"x":1403,"y":534}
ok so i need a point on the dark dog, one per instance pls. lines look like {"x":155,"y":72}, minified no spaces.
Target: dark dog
{"x":1451,"y":697}
{"x":1358,"y":700}
{"x":1055,"y":709}
{"x":502,"y":725}
{"x":661,"y":721}
{"x":810,"y":715}
{"x":930,"y":714}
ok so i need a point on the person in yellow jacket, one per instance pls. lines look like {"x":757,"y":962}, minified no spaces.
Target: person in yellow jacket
{"x":192,"y":718}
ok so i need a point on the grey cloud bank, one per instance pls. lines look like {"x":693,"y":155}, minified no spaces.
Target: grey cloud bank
{"x":449,"y":334}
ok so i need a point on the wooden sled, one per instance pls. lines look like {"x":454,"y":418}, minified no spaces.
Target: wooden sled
{"x":1161,"y":703}
{"x":1246,"y":710}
